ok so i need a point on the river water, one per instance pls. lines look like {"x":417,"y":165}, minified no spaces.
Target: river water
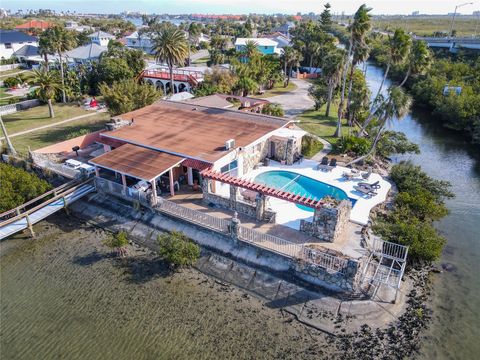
{"x":445,"y":155}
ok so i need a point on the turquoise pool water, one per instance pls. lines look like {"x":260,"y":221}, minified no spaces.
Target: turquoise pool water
{"x":301,"y":185}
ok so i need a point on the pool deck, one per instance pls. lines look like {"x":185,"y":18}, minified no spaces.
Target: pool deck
{"x":289,"y":214}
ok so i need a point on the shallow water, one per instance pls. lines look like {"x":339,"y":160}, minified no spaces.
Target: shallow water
{"x":64,"y":297}
{"x":445,"y":155}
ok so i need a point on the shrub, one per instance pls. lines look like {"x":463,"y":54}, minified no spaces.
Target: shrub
{"x":394,"y":142}
{"x":77,"y":133}
{"x":352,"y":144}
{"x":11,"y":82}
{"x":119,"y":241}
{"x":310,"y":146}
{"x":177,"y":249}
{"x":273,"y":110}
{"x":18,"y":186}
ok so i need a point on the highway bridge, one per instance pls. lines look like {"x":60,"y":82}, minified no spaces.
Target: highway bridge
{"x":452,"y":43}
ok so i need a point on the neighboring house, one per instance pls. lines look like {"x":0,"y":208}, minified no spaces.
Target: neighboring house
{"x":13,"y":40}
{"x":85,"y":54}
{"x":286,"y":28}
{"x":279,"y":38}
{"x":101,"y":38}
{"x":73,"y":25}
{"x":142,"y":42}
{"x":34,"y":26}
{"x":264,"y":45}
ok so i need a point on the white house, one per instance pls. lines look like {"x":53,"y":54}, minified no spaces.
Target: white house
{"x":264,"y":45}
{"x":142,"y":42}
{"x":13,"y":40}
{"x":101,"y":38}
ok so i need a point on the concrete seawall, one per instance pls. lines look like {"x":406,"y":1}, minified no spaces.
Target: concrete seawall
{"x":268,"y":275}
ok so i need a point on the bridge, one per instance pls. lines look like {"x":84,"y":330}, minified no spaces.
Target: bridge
{"x":452,"y":43}
{"x":25,"y":216}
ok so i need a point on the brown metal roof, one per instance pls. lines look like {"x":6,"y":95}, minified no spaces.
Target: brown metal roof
{"x":193,"y":131}
{"x":141,"y":163}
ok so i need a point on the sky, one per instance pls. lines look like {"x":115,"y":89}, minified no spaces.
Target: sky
{"x":242,"y":6}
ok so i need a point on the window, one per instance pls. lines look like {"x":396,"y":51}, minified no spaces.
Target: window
{"x":8,"y":45}
{"x":265,"y":47}
{"x":229,"y":167}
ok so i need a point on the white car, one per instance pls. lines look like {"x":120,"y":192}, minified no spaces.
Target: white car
{"x":72,"y":164}
{"x":142,"y":185}
{"x":88,"y":169}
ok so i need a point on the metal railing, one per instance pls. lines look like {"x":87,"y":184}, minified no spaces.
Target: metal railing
{"x":389,"y":250}
{"x":120,"y":191}
{"x":265,"y":241}
{"x":193,"y":216}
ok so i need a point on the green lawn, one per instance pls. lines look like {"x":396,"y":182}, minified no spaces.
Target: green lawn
{"x":317,"y":123}
{"x":277,"y":90}
{"x":38,"y":139}
{"x":38,"y":116}
{"x":8,"y":73}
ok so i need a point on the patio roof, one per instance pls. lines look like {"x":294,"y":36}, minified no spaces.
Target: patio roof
{"x":138,"y":162}
{"x":263,"y":189}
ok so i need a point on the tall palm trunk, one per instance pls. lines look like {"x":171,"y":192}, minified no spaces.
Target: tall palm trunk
{"x":330,"y":96}
{"x":407,"y":75}
{"x":349,"y":92}
{"x":338,"y":130}
{"x":64,"y":97}
{"x":50,"y":108}
{"x":10,"y":147}
{"x":286,"y":74}
{"x":172,"y":86}
{"x":45,"y":56}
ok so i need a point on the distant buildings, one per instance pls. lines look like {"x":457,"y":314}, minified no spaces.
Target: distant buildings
{"x":34,"y":26}
{"x":13,"y":40}
{"x":73,"y":25}
{"x":142,"y":42}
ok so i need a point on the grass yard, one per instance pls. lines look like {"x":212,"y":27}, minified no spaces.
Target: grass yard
{"x":201,"y":61}
{"x":38,"y":116}
{"x":317,"y":123}
{"x":8,"y":73}
{"x":41,"y":138}
{"x":277,"y":90}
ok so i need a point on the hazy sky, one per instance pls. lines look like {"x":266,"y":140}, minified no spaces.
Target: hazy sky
{"x":242,"y":6}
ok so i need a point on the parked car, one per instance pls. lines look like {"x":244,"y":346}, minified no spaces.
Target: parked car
{"x":72,"y":164}
{"x":142,"y":185}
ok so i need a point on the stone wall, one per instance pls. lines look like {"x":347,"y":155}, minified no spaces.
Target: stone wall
{"x":253,"y":155}
{"x":239,"y":206}
{"x":347,"y":280}
{"x":329,"y":221}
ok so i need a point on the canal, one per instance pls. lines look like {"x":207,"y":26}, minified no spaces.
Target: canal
{"x":446,"y":155}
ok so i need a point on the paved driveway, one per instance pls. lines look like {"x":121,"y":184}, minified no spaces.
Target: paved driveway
{"x":294,"y":102}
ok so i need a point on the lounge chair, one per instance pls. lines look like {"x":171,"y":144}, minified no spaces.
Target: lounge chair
{"x":332,"y":165}
{"x":323,"y":164}
{"x":366,"y":175}
{"x":365,"y":191}
{"x":375,"y":185}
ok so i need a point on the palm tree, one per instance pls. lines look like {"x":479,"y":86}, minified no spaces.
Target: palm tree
{"x":250,"y":49}
{"x":246,"y":85}
{"x":360,"y":54}
{"x":291,"y":57}
{"x":419,"y":60}
{"x":60,"y":40}
{"x":358,"y":31}
{"x":170,"y":46}
{"x":332,"y":71}
{"x":48,"y":87}
{"x":399,"y":49}
{"x":10,"y":147}
{"x":396,"y":106}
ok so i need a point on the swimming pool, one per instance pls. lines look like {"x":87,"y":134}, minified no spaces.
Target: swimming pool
{"x":301,"y":185}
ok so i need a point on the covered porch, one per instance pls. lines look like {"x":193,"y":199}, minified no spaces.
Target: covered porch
{"x":141,"y":169}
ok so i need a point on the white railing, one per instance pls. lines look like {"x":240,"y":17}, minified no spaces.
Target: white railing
{"x":389,"y":249}
{"x":120,"y":191}
{"x":193,"y":216}
{"x":265,"y":241}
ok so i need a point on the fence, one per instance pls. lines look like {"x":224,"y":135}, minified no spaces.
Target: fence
{"x":8,"y":67}
{"x":122,"y":192}
{"x":194,"y":216}
{"x":248,"y":235}
{"x":22,"y":105}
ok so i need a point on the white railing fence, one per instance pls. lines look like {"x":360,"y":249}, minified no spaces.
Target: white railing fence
{"x":265,"y":241}
{"x":193,"y":216}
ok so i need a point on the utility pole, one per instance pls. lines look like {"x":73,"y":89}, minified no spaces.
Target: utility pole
{"x":455,"y":14}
